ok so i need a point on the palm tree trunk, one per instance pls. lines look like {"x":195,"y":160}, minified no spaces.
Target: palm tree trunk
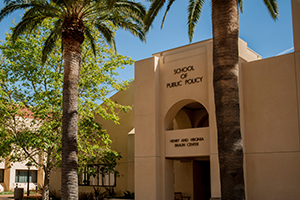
{"x":225,"y":19}
{"x":72,"y":58}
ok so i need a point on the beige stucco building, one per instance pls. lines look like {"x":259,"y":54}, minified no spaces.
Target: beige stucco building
{"x":175,"y":126}
{"x":16,"y":176}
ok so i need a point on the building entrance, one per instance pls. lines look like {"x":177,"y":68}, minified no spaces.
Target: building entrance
{"x":192,"y":178}
{"x":187,"y":143}
{"x":201,"y":177}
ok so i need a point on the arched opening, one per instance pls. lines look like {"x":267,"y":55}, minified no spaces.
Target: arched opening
{"x":191,"y":174}
{"x":191,"y":115}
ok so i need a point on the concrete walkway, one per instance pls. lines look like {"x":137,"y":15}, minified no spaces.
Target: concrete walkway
{"x":6,"y":197}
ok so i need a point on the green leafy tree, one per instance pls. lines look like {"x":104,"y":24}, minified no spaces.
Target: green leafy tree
{"x":31,"y":102}
{"x":71,"y":18}
{"x":225,"y":21}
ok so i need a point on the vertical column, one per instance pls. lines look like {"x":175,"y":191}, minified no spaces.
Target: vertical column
{"x":7,"y":175}
{"x":296,"y":23}
{"x":130,"y":169}
{"x":215,"y":186}
{"x":167,"y":178}
{"x":296,"y":31}
{"x":215,"y":177}
{"x":147,"y":156}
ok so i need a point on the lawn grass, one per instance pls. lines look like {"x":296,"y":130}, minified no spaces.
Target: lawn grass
{"x":6,"y":193}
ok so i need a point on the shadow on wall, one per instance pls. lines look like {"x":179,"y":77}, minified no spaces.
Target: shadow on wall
{"x":190,"y":115}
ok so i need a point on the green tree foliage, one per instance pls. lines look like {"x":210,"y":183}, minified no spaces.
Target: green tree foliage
{"x":31,"y":101}
{"x":73,"y":20}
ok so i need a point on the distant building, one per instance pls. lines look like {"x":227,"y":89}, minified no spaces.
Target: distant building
{"x":15,"y":174}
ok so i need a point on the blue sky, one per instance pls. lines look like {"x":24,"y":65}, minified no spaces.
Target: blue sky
{"x":263,"y":35}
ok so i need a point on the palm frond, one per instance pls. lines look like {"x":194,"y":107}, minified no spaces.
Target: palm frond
{"x":18,"y":1}
{"x":13,"y":6}
{"x":38,"y":12}
{"x":59,"y":2}
{"x":133,"y":28}
{"x":67,"y":6}
{"x":155,"y":7}
{"x":110,"y":3}
{"x":29,"y":13}
{"x":125,"y":14}
{"x":42,"y":10}
{"x":50,"y":43}
{"x":240,"y":4}
{"x":48,"y":9}
{"x":167,"y":10}
{"x":130,"y":16}
{"x":131,"y":7}
{"x":92,"y":10}
{"x":91,"y":39}
{"x":107,"y":33}
{"x":26,"y":24}
{"x":272,"y":8}
{"x":194,"y":12}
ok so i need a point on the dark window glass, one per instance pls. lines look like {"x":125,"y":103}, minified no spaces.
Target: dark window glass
{"x":97,"y":175}
{"x":21,"y":176}
{"x":1,"y":175}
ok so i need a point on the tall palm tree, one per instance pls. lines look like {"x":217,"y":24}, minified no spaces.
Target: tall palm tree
{"x":225,"y":21}
{"x":70,"y":20}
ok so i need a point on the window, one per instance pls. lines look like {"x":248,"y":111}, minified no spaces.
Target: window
{"x":1,"y":175}
{"x":21,"y":176}
{"x":97,"y":175}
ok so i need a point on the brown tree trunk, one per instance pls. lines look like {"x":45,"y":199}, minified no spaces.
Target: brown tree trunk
{"x":46,"y":184}
{"x":72,"y":59}
{"x":225,"y":19}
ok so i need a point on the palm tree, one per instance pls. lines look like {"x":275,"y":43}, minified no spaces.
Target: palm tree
{"x":70,"y":20}
{"x":225,"y":21}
